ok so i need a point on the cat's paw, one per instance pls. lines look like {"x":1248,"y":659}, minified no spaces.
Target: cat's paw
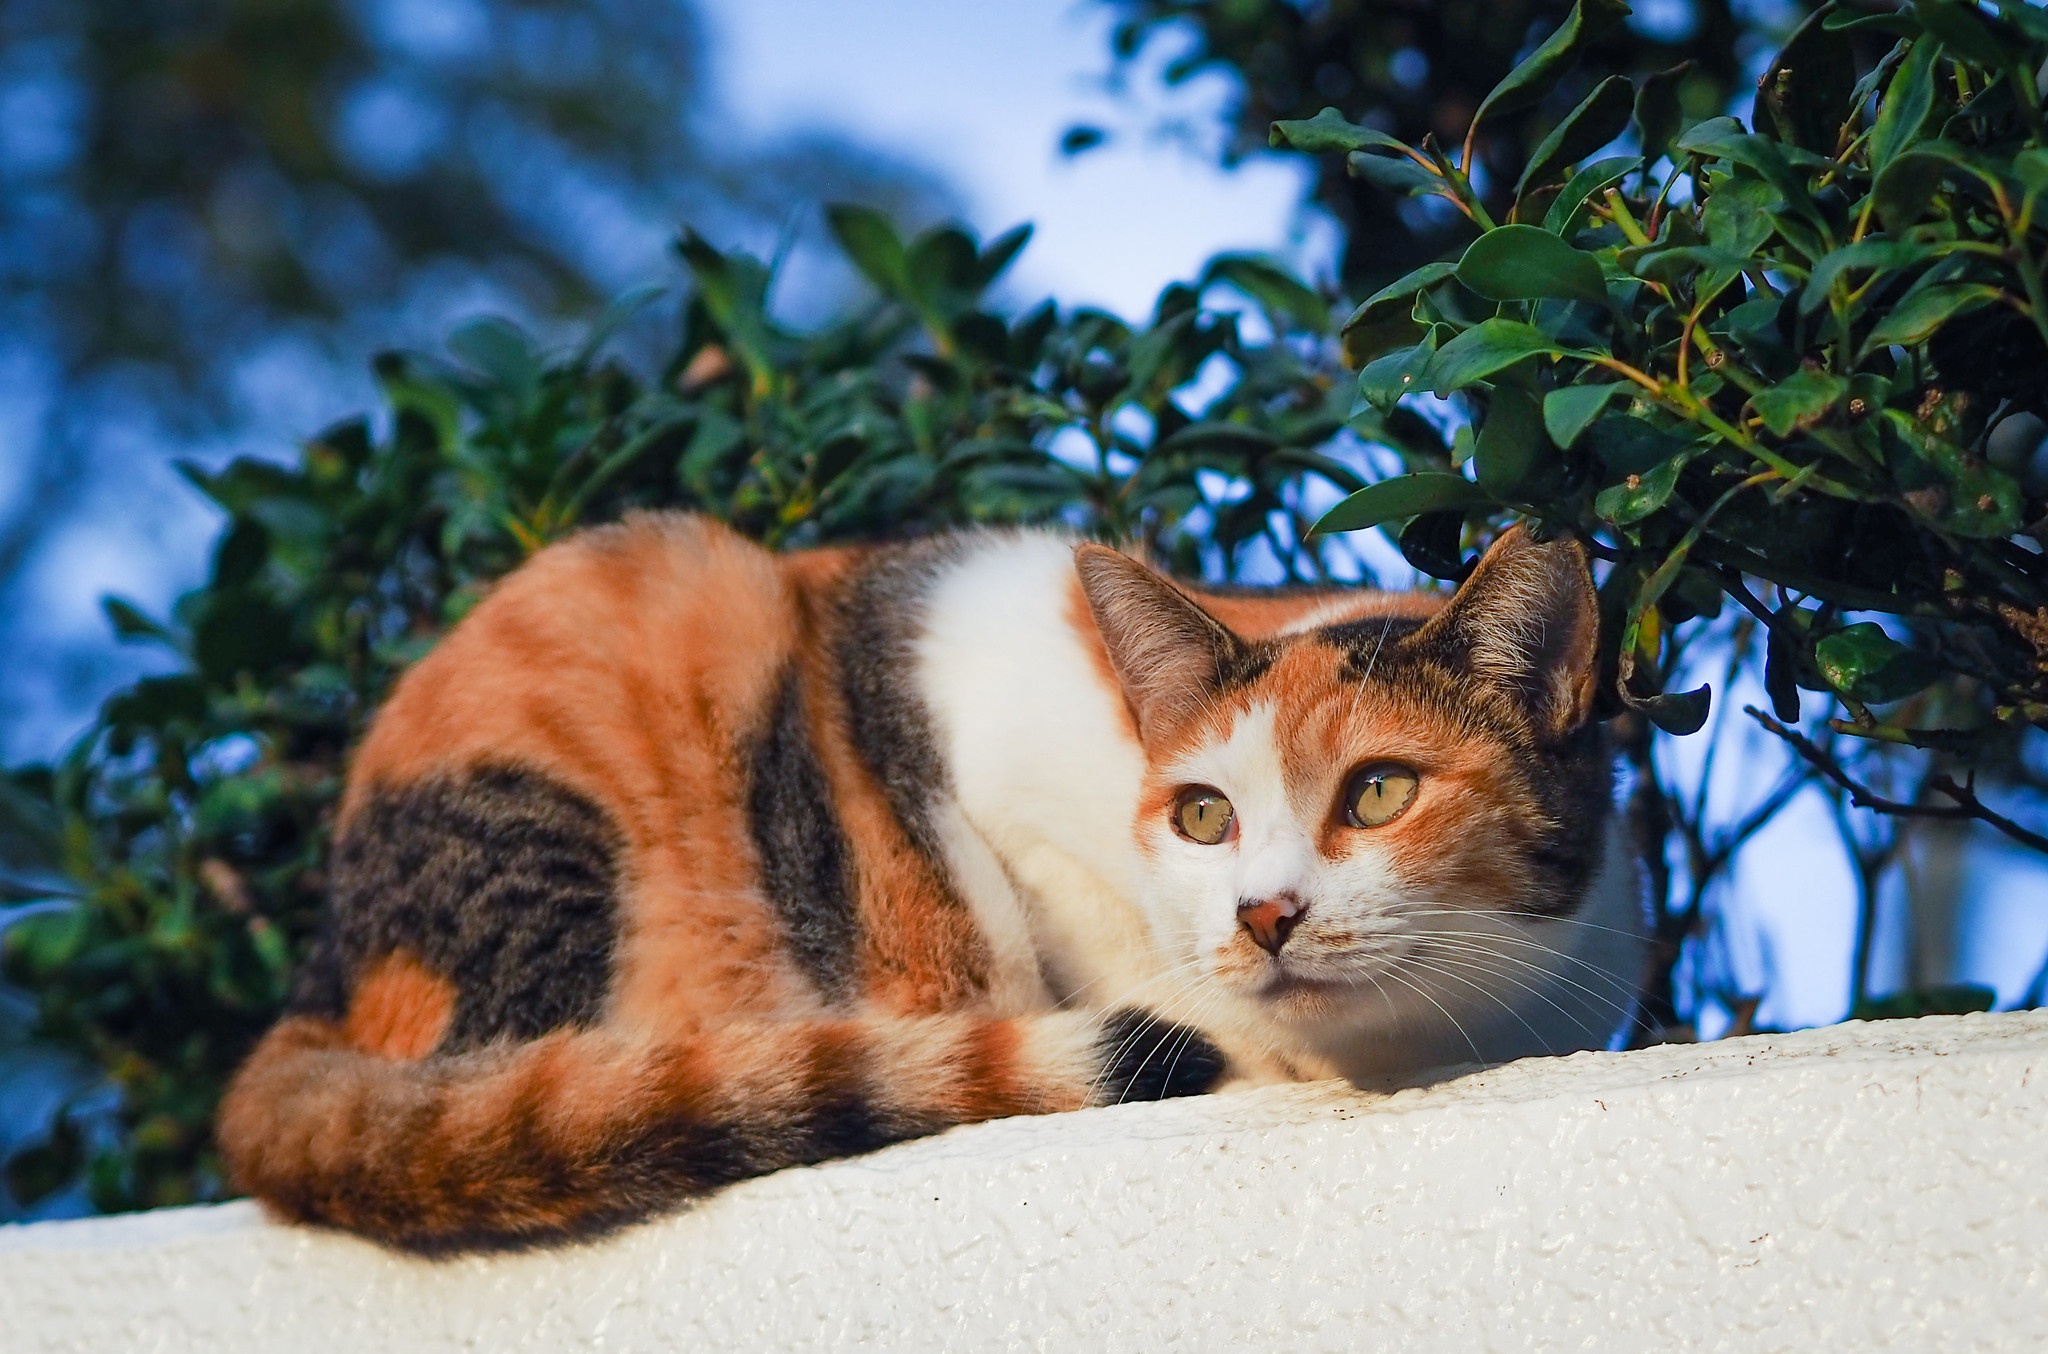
{"x":1144,"y":1057}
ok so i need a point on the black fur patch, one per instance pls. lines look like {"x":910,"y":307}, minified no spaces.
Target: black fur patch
{"x":845,"y":1125}
{"x":502,"y":881}
{"x":881,"y":617}
{"x":649,"y":1175}
{"x":1575,"y":784}
{"x":1242,"y":662}
{"x":1145,"y":1058}
{"x":1365,"y":640}
{"x":806,"y":865}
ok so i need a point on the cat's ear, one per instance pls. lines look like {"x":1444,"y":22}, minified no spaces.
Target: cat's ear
{"x":1528,"y":622}
{"x":1170,"y":656}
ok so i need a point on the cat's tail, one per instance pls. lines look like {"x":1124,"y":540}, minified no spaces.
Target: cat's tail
{"x":582,"y":1131}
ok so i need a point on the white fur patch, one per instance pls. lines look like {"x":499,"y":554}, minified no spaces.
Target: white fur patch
{"x":1042,"y":762}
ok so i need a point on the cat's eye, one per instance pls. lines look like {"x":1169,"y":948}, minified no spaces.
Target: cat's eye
{"x":1202,"y":814}
{"x":1377,"y":795}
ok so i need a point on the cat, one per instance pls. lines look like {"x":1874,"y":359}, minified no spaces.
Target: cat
{"x":678,"y":861}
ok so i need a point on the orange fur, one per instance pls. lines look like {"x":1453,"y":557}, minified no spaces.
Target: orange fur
{"x":400,"y":1010}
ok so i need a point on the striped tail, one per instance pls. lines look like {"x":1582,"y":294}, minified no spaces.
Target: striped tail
{"x":581,"y":1132}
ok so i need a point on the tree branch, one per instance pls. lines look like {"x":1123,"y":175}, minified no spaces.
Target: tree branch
{"x":1966,"y":805}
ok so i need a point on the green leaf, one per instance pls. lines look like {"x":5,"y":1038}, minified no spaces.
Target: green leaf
{"x":1000,"y":253}
{"x":1525,"y":263}
{"x":243,"y":551}
{"x":1676,"y":712}
{"x":2025,"y":16}
{"x":1329,"y":131}
{"x":1957,"y":491}
{"x":1962,"y":29}
{"x":1488,"y":347}
{"x":1435,"y":544}
{"x":1781,"y":677}
{"x":1897,"y":24}
{"x":1863,"y":662}
{"x":1904,"y":107}
{"x":1386,"y":379}
{"x":1861,"y":255}
{"x":1537,"y":73}
{"x":155,"y":702}
{"x":733,"y":290}
{"x":1233,"y":439}
{"x":1403,"y":497}
{"x":1804,"y":96}
{"x":499,"y":349}
{"x":31,"y":829}
{"x":1079,"y":139}
{"x":1737,"y":217}
{"x":1600,"y":117}
{"x":871,"y":242}
{"x":613,"y":318}
{"x":1289,"y":303}
{"x":1723,"y":138}
{"x":1905,"y":187}
{"x":1569,"y":410}
{"x":1639,"y":496}
{"x":1511,"y":447}
{"x":1924,"y":310}
{"x":240,"y":631}
{"x":1401,"y":176}
{"x":1628,"y":445}
{"x":131,"y":624}
{"x":1592,"y":180}
{"x":1800,"y":399}
{"x":941,"y":264}
{"x":1705,"y":269}
{"x":1386,"y":318}
{"x":1658,"y":113}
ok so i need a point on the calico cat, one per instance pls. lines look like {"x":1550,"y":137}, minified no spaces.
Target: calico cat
{"x":678,"y":862}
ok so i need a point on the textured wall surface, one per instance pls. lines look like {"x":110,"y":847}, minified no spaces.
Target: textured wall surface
{"x":1856,"y":1188}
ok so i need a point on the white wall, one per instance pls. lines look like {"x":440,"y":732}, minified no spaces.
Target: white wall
{"x":1858,"y":1188}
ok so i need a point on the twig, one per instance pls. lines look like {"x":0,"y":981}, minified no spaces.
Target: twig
{"x":1966,"y":806}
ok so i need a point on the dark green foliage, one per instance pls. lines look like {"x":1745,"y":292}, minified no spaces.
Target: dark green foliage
{"x":184,"y":839}
{"x":1776,"y":368}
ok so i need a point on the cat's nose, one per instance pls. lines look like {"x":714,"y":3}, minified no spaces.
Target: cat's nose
{"x":1270,"y":922}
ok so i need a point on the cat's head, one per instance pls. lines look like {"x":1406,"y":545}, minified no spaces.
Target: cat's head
{"x":1359,"y":811}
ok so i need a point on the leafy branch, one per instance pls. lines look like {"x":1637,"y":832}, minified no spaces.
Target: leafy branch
{"x":1964,"y":804}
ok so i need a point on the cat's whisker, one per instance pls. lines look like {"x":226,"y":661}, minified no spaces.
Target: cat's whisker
{"x":1559,"y":969}
{"x":1456,"y":1024}
{"x":1439,"y":968}
{"x":1481,"y":935}
{"x":1438,"y":962}
{"x":1507,"y":918}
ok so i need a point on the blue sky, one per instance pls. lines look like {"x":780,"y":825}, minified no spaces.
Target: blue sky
{"x":981,"y":92}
